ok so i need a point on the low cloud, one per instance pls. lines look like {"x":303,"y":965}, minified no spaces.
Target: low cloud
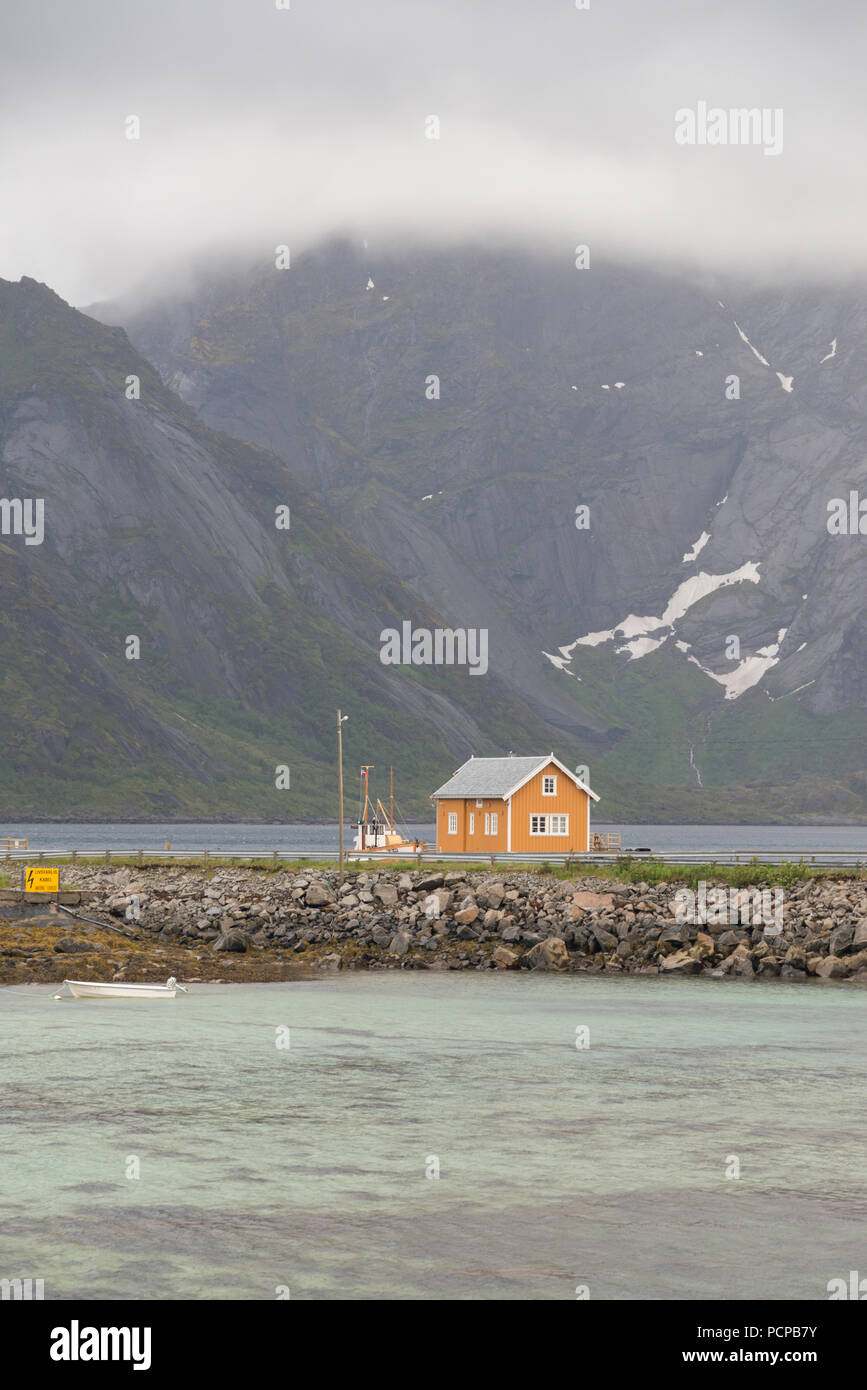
{"x":557,"y":126}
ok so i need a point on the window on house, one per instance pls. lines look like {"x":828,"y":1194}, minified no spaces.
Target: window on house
{"x":472,"y":824}
{"x":495,"y":820}
{"x":549,"y":786}
{"x":487,"y":824}
{"x":479,"y":804}
{"x":549,"y":825}
{"x":453,"y":822}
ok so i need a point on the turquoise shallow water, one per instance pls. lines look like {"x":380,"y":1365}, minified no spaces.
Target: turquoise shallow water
{"x":304,"y":1167}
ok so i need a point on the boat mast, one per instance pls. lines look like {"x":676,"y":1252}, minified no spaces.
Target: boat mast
{"x":391,"y":796}
{"x":366,"y":770}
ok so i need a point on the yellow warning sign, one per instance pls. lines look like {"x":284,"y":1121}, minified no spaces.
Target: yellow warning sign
{"x":42,"y":881}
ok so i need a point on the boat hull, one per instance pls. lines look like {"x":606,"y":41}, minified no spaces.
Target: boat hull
{"x":84,"y":989}
{"x":357,"y":855}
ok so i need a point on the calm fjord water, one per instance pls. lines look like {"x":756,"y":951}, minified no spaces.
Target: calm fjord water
{"x":305,"y":1167}
{"x":61,"y":837}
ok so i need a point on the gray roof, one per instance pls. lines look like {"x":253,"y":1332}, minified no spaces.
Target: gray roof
{"x":489,"y":776}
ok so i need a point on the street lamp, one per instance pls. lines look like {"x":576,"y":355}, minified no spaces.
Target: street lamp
{"x":341,"y":720}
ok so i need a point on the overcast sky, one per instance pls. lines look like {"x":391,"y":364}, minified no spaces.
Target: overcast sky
{"x":262,"y":126}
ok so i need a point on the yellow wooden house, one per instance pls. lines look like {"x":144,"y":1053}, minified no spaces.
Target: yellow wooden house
{"x":497,"y":805}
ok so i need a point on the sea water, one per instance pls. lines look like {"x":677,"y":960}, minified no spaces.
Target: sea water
{"x":436,"y":1135}
{"x":298,"y":840}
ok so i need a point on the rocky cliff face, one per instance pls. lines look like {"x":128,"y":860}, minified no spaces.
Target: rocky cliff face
{"x":697,"y":627}
{"x":165,"y":645}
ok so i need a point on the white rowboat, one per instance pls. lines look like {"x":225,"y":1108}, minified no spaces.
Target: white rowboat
{"x":86,"y":989}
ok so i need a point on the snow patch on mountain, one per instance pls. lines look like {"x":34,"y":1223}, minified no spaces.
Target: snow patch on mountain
{"x":785,"y":381}
{"x":764,"y":361}
{"x":634,"y":633}
{"x":559,"y":661}
{"x":640,"y":646}
{"x":697,"y":547}
{"x":749,"y":670}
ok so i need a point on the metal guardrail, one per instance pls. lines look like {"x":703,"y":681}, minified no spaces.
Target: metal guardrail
{"x":824,"y":858}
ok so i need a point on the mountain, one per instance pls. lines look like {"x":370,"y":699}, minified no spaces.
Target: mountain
{"x":698,"y":633}
{"x":160,"y":528}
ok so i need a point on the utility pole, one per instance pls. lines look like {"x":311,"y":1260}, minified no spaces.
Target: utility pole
{"x":340,"y":721}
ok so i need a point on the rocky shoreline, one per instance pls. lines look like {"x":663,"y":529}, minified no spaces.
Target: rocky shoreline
{"x":229,"y":924}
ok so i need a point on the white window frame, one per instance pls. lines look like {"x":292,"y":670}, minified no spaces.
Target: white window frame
{"x":453,"y":822}
{"x":545,"y":824}
{"x":472,"y":823}
{"x":480,"y":804}
{"x":487,"y":822}
{"x":495,"y":821}
{"x":552,"y":778}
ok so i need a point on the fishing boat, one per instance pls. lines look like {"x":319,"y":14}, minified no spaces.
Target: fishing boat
{"x":119,"y":989}
{"x":376,"y":829}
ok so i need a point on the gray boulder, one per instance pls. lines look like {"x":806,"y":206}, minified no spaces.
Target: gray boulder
{"x":428,"y":884}
{"x":606,"y":939}
{"x":860,"y":936}
{"x":832,"y":968}
{"x":230,"y":941}
{"x":550,"y":954}
{"x":740,"y":963}
{"x":318,"y":895}
{"x":679,"y":963}
{"x":840,"y":940}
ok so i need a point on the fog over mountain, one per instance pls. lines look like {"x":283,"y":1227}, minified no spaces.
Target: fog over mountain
{"x":551,"y":320}
{"x":262,"y":126}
